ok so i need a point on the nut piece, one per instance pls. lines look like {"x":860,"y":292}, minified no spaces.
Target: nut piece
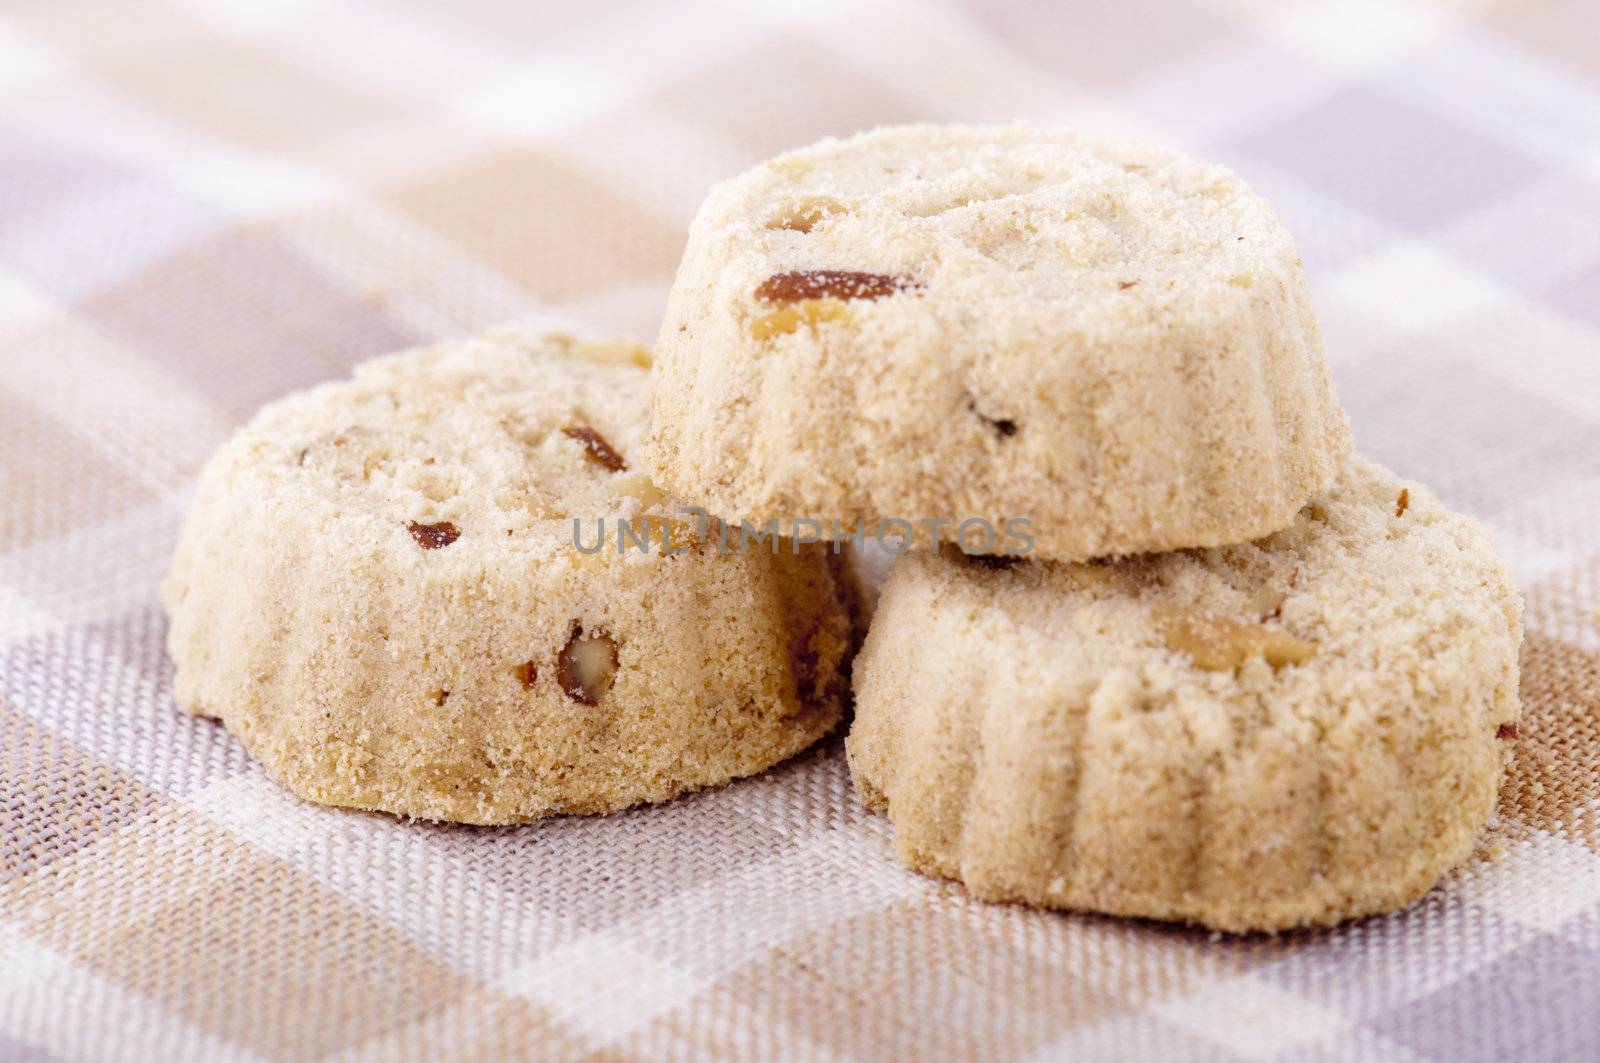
{"x":527,"y":674}
{"x":586,"y":667}
{"x":434,"y":536}
{"x":802,"y":214}
{"x":638,"y":486}
{"x":812,"y":296}
{"x":596,"y":446}
{"x":1402,"y":503}
{"x":613,"y":352}
{"x":810,"y":312}
{"x":829,"y":284}
{"x":789,"y":166}
{"x":1267,"y":600}
{"x":1506,"y":730}
{"x":1220,"y":644}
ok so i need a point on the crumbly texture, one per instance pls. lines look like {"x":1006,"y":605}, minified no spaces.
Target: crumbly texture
{"x":377,"y":589}
{"x":1286,"y":733}
{"x":1112,"y":341}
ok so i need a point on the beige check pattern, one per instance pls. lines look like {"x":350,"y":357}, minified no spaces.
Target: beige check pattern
{"x":205,"y":203}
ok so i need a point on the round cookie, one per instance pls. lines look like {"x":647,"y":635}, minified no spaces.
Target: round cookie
{"x":1291,"y":732}
{"x":1111,"y":341}
{"x":378,"y":589}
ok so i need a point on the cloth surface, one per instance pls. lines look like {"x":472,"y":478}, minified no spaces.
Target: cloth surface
{"x":206,"y":204}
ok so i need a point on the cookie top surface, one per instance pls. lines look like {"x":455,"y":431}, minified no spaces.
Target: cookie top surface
{"x":1007,"y":215}
{"x":508,"y":434}
{"x":1374,"y":577}
{"x":1108,"y":339}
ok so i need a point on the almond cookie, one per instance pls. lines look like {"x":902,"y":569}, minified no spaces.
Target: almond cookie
{"x":1291,"y":732}
{"x":1111,"y":341}
{"x":379,"y":589}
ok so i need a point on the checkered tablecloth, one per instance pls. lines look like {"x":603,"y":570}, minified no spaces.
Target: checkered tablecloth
{"x":204,"y":204}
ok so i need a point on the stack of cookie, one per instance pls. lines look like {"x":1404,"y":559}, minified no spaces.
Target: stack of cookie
{"x":1156,"y":642}
{"x":1242,"y":678}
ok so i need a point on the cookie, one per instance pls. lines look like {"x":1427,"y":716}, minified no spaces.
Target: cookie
{"x":380,"y":590}
{"x":1286,"y":733}
{"x":1109,"y":341}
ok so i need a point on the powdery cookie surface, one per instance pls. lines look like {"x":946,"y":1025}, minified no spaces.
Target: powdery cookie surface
{"x":377,"y":590}
{"x":1110,"y":340}
{"x":1291,"y":732}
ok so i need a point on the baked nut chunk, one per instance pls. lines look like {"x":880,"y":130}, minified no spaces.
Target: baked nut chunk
{"x":377,"y":589}
{"x":1110,"y":340}
{"x":1292,"y":732}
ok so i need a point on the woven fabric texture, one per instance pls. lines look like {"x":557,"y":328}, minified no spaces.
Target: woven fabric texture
{"x":204,"y":205}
